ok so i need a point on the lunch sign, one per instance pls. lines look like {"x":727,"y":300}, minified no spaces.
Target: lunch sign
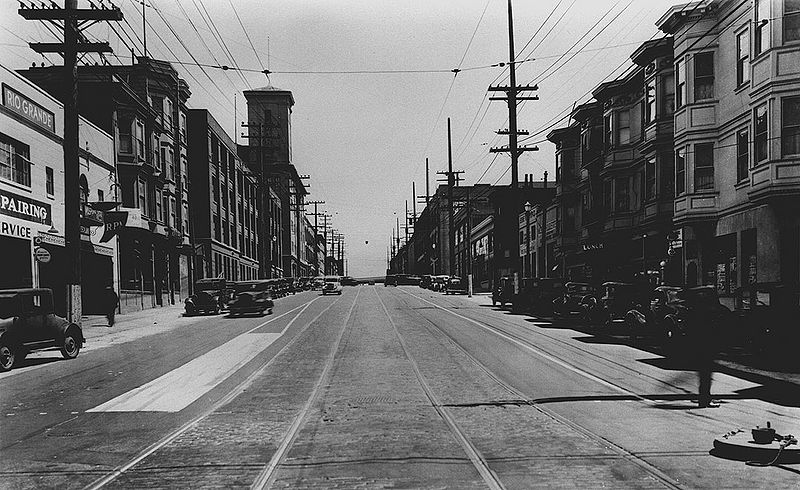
{"x":28,"y":109}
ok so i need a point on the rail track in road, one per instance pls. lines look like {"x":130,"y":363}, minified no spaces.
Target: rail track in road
{"x":582,"y":351}
{"x":151,"y":451}
{"x":521,"y":398}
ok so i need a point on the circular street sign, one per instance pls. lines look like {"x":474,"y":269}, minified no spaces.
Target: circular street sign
{"x":42,"y":254}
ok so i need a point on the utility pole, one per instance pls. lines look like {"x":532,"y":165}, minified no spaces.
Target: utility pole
{"x":427,"y":183}
{"x":512,"y":97}
{"x":414,"y":205}
{"x":451,"y":180}
{"x":74,"y":19}
{"x":406,"y":223}
{"x":316,"y":252}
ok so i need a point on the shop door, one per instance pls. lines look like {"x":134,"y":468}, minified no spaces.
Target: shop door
{"x":17,"y":266}
{"x":97,"y":273}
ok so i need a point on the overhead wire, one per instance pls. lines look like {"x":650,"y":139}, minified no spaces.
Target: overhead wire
{"x":221,"y":41}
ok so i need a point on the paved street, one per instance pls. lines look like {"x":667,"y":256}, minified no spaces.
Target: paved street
{"x":379,"y":388}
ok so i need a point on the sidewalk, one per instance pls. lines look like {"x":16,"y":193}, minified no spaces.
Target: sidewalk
{"x":729,"y":363}
{"x":133,"y":325}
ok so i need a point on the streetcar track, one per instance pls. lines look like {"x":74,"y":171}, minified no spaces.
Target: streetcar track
{"x":477,"y":459}
{"x":652,"y":400}
{"x":236,"y":391}
{"x":267,"y":475}
{"x":621,"y":451}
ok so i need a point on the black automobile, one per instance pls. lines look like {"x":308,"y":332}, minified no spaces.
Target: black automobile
{"x":425,"y":281}
{"x":647,"y":317}
{"x":455,"y":285}
{"x":767,"y":315}
{"x":573,"y":298}
{"x":28,"y":323}
{"x":536,"y":295}
{"x":252,"y":297}
{"x":503,"y":292}
{"x":693,"y":309}
{"x":349,"y":281}
{"x":211,"y":297}
{"x":614,"y":301}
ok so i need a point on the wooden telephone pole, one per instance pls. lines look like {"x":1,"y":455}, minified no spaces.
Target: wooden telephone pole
{"x":512,"y":97}
{"x":74,"y":20}
{"x":316,"y":251}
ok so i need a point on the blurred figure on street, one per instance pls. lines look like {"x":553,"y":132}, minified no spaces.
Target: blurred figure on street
{"x":111,"y":302}
{"x":704,"y":346}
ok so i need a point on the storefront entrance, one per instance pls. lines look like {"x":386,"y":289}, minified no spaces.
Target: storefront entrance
{"x":17,"y":267}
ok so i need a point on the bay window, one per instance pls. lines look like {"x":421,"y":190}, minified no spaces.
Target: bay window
{"x":742,"y":58}
{"x":762,"y":41}
{"x":791,"y":20}
{"x":703,"y":167}
{"x":790,"y":126}
{"x":761,"y":139}
{"x":742,"y":154}
{"x":703,"y":76}
{"x":680,"y":171}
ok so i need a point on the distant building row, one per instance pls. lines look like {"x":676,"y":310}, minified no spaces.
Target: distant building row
{"x":168,"y":197}
{"x":684,"y":170}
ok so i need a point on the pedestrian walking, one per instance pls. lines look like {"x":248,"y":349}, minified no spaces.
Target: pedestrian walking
{"x":111,"y":303}
{"x":704,"y":321}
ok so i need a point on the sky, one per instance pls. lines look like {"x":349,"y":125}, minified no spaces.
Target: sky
{"x":363,"y":136}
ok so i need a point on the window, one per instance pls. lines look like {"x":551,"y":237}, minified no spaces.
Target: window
{"x":668,"y":95}
{"x":183,"y":127}
{"x":680,"y":171}
{"x":623,"y":127}
{"x":790,"y":126}
{"x":607,"y":195}
{"x":217,"y":228}
{"x":650,"y":102}
{"x":163,"y":163}
{"x":100,"y":196}
{"x":742,"y":154}
{"x":791,"y":20}
{"x":761,"y":134}
{"x":621,"y":201}
{"x":49,"y":181}
{"x":742,"y":58}
{"x":165,"y":217}
{"x":609,"y":131}
{"x":142,"y":195}
{"x":185,"y":217}
{"x":168,"y":114}
{"x":762,"y":26}
{"x":140,"y":147}
{"x":680,"y":87}
{"x":703,"y":167}
{"x":159,"y":211}
{"x":171,"y":164}
{"x":558,"y":168}
{"x":14,"y":161}
{"x":173,"y":216}
{"x":125,"y":135}
{"x":650,"y":179}
{"x":703,"y":76}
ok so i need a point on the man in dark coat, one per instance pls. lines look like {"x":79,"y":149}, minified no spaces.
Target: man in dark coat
{"x":111,"y":302}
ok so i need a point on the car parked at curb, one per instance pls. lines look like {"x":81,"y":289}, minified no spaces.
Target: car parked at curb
{"x":252,"y":297}
{"x":333,"y":285}
{"x":28,"y":323}
{"x":573,"y":298}
{"x":646,"y":319}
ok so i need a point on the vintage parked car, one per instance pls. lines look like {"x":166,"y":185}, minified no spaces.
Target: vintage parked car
{"x":455,"y":285}
{"x":28,"y":323}
{"x":317,"y":283}
{"x":252,"y":297}
{"x":647,"y":318}
{"x":439,"y":283}
{"x":573,"y":298}
{"x":349,"y":281}
{"x":614,"y":301}
{"x":503,"y":291}
{"x":333,"y":285}
{"x":536,"y":295}
{"x":768,"y":314}
{"x":211,"y":296}
{"x":695,"y":305}
{"x":425,"y":281}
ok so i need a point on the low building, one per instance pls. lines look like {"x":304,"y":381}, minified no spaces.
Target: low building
{"x":32,"y":196}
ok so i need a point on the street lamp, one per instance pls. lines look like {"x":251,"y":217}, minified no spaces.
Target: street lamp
{"x":663,"y":265}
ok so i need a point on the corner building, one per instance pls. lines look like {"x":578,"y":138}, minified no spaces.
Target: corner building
{"x":737,"y":141}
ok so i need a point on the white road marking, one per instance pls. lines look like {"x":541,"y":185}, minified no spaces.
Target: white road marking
{"x":179,"y":388}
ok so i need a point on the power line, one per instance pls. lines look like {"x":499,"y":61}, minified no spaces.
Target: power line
{"x":246,"y":34}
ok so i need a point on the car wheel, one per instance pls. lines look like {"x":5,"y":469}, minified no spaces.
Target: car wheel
{"x":71,"y":345}
{"x":7,"y":357}
{"x":269,"y":311}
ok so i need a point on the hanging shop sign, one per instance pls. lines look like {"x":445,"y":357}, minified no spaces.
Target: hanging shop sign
{"x":48,"y":239}
{"x":42,"y":255}
{"x":28,"y":109}
{"x":114,"y":220}
{"x":24,"y":208}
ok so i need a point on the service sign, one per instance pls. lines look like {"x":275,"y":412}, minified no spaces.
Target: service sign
{"x":28,"y":109}
{"x":24,"y":208}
